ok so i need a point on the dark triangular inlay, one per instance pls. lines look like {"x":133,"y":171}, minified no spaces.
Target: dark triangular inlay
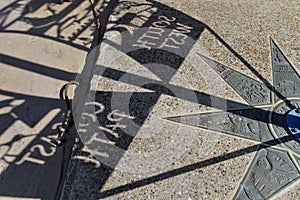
{"x":285,"y":78}
{"x":254,"y":92}
{"x":231,"y":122}
{"x":271,"y":171}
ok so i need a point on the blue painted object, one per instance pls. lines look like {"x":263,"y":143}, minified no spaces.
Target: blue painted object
{"x":292,"y":123}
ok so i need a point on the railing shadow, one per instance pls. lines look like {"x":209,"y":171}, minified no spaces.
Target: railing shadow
{"x":68,"y":24}
{"x":32,"y":166}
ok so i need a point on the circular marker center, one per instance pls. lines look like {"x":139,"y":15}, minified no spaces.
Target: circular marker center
{"x":292,"y":123}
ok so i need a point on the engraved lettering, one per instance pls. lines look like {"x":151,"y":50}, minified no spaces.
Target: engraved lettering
{"x":167,"y":19}
{"x":220,"y":68}
{"x":161,"y":24}
{"x":156,"y":31}
{"x":164,"y":44}
{"x":276,"y":58}
{"x":27,"y":157}
{"x":149,"y":35}
{"x":179,"y":36}
{"x":94,"y":138}
{"x":174,"y":39}
{"x":89,"y":118}
{"x":115,"y":126}
{"x":144,"y":44}
{"x":98,"y":105}
{"x":183,"y":28}
{"x":109,"y":131}
{"x":112,"y":116}
{"x":287,"y":86}
{"x":252,"y":91}
{"x":227,"y":74}
{"x":42,"y":151}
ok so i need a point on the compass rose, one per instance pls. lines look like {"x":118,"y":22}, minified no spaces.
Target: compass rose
{"x":274,"y":121}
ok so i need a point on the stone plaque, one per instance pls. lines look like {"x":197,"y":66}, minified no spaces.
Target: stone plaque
{"x":254,"y":92}
{"x":271,"y":170}
{"x":286,"y":80}
{"x":241,"y":123}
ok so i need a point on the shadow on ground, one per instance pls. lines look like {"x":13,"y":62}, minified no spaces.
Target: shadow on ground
{"x":30,"y":165}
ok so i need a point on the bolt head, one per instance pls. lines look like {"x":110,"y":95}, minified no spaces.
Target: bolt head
{"x":295,"y":130}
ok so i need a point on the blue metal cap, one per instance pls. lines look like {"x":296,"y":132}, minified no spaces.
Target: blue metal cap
{"x":292,"y":123}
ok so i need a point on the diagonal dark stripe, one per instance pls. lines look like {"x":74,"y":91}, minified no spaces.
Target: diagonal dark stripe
{"x":37,"y":68}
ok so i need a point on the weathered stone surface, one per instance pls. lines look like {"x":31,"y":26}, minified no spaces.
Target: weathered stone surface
{"x":270,"y":172}
{"x":232,"y":122}
{"x":285,"y":78}
{"x":254,"y":92}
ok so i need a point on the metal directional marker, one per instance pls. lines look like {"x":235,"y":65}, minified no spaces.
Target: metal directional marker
{"x":254,"y":92}
{"x":276,"y":164}
{"x":271,"y":170}
{"x":285,"y":77}
{"x":231,"y":123}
